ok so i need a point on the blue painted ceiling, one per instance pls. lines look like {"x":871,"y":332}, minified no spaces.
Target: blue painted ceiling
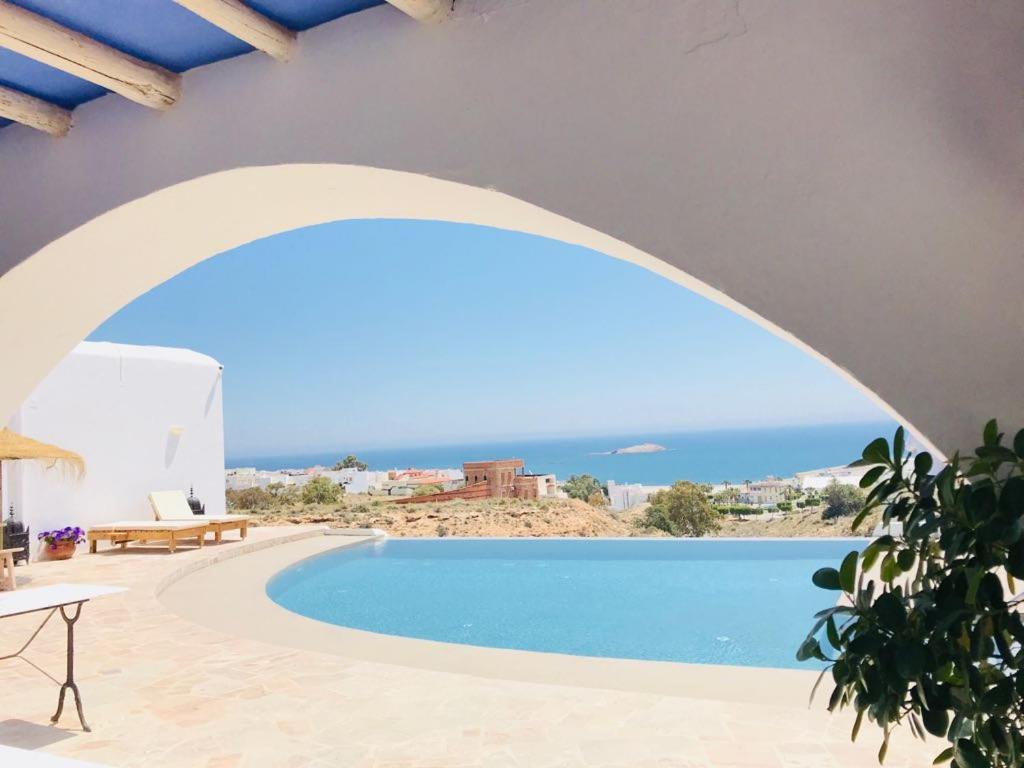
{"x":159,"y":31}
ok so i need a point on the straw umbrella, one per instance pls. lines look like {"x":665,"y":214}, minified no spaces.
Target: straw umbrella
{"x":15,"y":447}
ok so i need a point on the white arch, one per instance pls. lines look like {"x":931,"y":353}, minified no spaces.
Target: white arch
{"x":101,"y":268}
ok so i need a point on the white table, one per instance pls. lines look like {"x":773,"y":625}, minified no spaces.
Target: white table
{"x":57,"y":597}
{"x":23,"y":758}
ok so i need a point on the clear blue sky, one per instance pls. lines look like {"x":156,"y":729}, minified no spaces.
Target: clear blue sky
{"x":389,"y":333}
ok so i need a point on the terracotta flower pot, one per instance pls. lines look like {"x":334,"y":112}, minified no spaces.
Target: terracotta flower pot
{"x":61,"y":550}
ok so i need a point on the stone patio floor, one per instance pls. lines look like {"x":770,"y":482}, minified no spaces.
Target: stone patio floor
{"x":162,"y":691}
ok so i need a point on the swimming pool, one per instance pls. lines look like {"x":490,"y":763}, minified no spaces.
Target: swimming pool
{"x":705,"y":601}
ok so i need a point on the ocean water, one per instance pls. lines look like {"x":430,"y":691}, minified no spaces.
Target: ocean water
{"x":709,"y":457}
{"x":737,"y":602}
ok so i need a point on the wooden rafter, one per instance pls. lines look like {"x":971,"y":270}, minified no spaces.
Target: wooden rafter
{"x":46,"y":41}
{"x":428,"y":11}
{"x":33,"y":112}
{"x":238,"y":19}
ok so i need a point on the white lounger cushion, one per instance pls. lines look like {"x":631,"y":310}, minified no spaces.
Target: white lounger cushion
{"x":147,"y":525}
{"x":172,"y":505}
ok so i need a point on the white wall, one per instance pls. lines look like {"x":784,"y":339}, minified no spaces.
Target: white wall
{"x":625,"y":495}
{"x":116,"y":405}
{"x":851,"y":171}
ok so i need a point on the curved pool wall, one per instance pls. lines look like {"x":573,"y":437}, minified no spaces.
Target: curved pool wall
{"x":705,"y":601}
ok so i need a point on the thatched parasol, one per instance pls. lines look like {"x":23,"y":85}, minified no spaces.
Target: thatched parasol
{"x":15,"y":447}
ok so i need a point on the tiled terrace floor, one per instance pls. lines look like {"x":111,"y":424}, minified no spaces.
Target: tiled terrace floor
{"x":161,"y":691}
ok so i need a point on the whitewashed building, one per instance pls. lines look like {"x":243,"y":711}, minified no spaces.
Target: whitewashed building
{"x":627,"y":495}
{"x":816,"y":479}
{"x":143,"y":419}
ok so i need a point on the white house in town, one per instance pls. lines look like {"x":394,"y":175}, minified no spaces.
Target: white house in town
{"x":625,"y":495}
{"x":816,"y":479}
{"x":143,"y":419}
{"x":354,"y":480}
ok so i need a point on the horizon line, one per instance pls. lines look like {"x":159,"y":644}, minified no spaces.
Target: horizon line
{"x":541,"y":437}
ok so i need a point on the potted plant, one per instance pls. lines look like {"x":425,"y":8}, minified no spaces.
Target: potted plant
{"x":61,"y":542}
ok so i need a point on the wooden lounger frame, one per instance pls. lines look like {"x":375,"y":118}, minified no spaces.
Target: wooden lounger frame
{"x":171,"y":535}
{"x":219,"y":526}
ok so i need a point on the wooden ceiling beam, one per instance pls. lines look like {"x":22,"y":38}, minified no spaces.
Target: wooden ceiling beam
{"x":39,"y":38}
{"x":33,"y":112}
{"x":238,"y":19}
{"x":427,"y":11}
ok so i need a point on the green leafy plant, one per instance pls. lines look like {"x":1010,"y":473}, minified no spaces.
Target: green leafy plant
{"x":841,"y":500}
{"x":350,"y":462}
{"x":320,"y":490}
{"x":927,"y":629}
{"x":682,"y":510}
{"x":581,"y":487}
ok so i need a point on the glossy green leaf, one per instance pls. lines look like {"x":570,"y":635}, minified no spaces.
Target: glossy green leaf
{"x":944,"y":756}
{"x":1015,"y":559}
{"x":877,"y":451}
{"x":1018,"y":444}
{"x":809,"y":649}
{"x":871,"y":476}
{"x":832,"y":633}
{"x":890,"y":610}
{"x":936,"y":721}
{"x":969,"y":756}
{"x":848,"y":572}
{"x":923,"y":463}
{"x":826,"y":578}
{"x":898,"y":445}
{"x":905,"y":559}
{"x":990,"y":434}
{"x":856,"y":725}
{"x":888,"y":568}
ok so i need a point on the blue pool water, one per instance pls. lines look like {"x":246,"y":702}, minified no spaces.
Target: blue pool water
{"x":704,"y":601}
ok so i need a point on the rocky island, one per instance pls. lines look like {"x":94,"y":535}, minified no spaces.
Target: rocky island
{"x":641,"y":448}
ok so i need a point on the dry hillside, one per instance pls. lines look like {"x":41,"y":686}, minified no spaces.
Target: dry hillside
{"x":515,"y":517}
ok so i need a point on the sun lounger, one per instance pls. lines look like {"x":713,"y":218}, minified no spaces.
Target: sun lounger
{"x":172,"y":505}
{"x":124,"y":531}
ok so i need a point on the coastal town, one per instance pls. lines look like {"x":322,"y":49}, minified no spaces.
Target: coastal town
{"x":508,"y":478}
{"x":501,"y":498}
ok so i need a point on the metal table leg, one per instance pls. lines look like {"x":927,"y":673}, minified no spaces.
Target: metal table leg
{"x":69,"y":683}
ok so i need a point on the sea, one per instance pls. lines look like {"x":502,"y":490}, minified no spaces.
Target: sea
{"x":732,"y":455}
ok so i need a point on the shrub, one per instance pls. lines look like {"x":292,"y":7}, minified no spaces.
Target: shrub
{"x":785,"y":506}
{"x":248,"y":498}
{"x":841,"y":500}
{"x":597,"y":499}
{"x":283,"y":495}
{"x":933,"y":635}
{"x":320,"y":490}
{"x":682,"y":510}
{"x":739,"y":509}
{"x":581,"y":487}
{"x":428,"y":490}
{"x":441,"y":530}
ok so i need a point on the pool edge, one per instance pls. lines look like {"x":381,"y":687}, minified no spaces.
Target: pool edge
{"x":231,"y":597}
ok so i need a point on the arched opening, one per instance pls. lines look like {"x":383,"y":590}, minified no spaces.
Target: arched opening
{"x":137,"y":246}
